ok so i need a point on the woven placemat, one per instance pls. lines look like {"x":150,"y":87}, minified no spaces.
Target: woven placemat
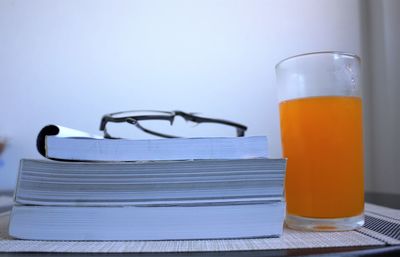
{"x":382,"y":227}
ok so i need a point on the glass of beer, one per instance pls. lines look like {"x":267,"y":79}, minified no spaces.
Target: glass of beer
{"x":321,"y":131}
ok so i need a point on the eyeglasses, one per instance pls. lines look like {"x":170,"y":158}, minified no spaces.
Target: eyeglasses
{"x":136,"y":118}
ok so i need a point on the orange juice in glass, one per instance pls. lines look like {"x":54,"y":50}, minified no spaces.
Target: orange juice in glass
{"x":321,"y":130}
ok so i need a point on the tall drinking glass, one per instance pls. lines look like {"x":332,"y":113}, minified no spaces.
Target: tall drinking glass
{"x":321,"y":129}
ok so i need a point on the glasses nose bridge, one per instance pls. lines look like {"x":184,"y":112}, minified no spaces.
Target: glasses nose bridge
{"x":185,"y":116}
{"x":131,"y":120}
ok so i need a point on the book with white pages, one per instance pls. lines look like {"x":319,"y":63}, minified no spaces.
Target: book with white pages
{"x":61,"y":143}
{"x":160,"y":200}
{"x":45,"y":182}
{"x":175,"y":222}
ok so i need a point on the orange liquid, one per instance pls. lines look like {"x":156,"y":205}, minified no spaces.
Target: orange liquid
{"x":322,"y":139}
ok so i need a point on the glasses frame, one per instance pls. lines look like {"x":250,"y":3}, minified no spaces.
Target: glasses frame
{"x":163,"y":115}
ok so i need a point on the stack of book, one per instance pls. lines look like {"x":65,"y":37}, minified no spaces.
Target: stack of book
{"x":167,"y":189}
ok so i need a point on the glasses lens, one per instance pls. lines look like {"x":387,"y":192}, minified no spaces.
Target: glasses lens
{"x":183,"y":128}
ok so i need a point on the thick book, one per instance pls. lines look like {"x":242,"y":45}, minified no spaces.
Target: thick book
{"x":158,"y":200}
{"x":60,"y":143}
{"x":44,"y":182}
{"x":175,"y":222}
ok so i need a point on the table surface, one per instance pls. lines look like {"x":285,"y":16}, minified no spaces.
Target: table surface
{"x":388,"y":200}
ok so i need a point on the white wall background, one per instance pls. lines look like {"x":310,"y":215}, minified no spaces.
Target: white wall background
{"x":69,"y":62}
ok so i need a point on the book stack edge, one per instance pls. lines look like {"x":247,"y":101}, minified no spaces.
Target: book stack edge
{"x":240,"y":196}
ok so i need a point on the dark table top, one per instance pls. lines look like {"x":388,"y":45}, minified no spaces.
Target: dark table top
{"x":388,"y":200}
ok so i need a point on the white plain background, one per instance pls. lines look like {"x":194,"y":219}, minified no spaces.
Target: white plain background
{"x":69,"y":62}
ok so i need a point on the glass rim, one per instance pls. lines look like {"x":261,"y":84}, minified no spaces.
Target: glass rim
{"x":318,"y":53}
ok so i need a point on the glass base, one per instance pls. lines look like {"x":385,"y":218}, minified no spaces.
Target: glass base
{"x":315,"y":224}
